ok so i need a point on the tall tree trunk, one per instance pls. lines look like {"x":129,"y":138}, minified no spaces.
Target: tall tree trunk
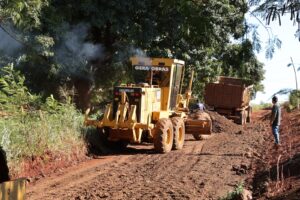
{"x":83,"y":93}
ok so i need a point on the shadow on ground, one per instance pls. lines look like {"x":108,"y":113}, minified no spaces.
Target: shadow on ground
{"x":283,"y":171}
{"x":97,"y":145}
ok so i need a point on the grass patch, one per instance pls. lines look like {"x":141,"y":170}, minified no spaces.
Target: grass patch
{"x":31,"y":126}
{"x":235,"y":194}
{"x":261,"y":106}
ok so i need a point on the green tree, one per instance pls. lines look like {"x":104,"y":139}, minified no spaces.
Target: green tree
{"x":25,"y":14}
{"x":86,"y":44}
{"x":273,"y":10}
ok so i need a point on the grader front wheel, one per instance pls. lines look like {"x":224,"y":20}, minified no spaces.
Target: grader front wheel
{"x":163,"y":138}
{"x":179,"y":133}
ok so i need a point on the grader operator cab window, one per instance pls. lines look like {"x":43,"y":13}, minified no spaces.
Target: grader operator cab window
{"x":153,"y":75}
{"x":161,"y":76}
{"x":176,"y":84}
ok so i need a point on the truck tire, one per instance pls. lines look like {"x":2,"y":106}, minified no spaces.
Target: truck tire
{"x":242,"y":117}
{"x":245,"y":116}
{"x":249,"y":113}
{"x":179,"y":133}
{"x":163,"y":136}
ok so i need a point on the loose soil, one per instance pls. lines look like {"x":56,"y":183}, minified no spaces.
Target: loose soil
{"x":206,"y":169}
{"x":277,"y":173}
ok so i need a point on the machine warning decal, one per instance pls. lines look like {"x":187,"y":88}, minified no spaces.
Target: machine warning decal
{"x":153,"y":68}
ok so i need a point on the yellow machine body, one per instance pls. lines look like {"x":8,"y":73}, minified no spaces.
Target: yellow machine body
{"x":136,"y":108}
{"x":13,"y":190}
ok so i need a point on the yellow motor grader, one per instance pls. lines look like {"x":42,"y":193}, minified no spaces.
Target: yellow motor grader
{"x":13,"y":190}
{"x":10,"y":189}
{"x":153,"y":109}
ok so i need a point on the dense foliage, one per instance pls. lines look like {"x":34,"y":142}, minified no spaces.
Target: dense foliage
{"x":78,"y":48}
{"x":294,"y":99}
{"x":236,"y":194}
{"x":30,"y":126}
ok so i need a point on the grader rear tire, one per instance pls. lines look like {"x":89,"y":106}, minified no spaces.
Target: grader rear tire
{"x":163,"y":138}
{"x":179,"y":133}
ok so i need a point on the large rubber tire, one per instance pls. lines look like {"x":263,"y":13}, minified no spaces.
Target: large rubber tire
{"x":163,"y":136}
{"x":245,"y":117}
{"x":242,"y":117}
{"x":203,"y":136}
{"x":249,"y":113}
{"x":179,"y":133}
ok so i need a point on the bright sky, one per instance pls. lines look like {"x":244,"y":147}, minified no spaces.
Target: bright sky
{"x":278,"y":75}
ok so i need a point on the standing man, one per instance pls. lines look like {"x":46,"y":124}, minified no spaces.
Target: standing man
{"x":275,"y":119}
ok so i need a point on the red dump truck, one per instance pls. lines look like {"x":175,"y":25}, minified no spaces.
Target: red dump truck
{"x":230,"y":97}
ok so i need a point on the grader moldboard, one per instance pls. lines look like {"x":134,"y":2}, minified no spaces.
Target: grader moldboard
{"x":154,"y":109}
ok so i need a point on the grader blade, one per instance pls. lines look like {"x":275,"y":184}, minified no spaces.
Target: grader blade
{"x":121,"y":134}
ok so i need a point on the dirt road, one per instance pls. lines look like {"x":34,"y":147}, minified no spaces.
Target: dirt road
{"x":202,"y":170}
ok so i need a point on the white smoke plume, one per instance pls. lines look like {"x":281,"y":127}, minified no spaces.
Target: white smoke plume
{"x":8,"y":45}
{"x":75,"y":52}
{"x":137,"y":52}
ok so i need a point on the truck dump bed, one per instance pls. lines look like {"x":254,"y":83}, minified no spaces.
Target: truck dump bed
{"x":227,"y":93}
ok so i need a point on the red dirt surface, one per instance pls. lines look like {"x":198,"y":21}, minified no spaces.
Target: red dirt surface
{"x":222,"y":124}
{"x":277,"y":174}
{"x":37,"y":167}
{"x":202,"y":170}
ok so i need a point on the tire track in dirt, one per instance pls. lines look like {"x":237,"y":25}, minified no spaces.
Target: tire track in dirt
{"x":201,"y":170}
{"x":150,"y":168}
{"x":181,"y":163}
{"x":73,"y":177}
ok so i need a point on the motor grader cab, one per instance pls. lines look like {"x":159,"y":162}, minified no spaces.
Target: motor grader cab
{"x":153,"y":109}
